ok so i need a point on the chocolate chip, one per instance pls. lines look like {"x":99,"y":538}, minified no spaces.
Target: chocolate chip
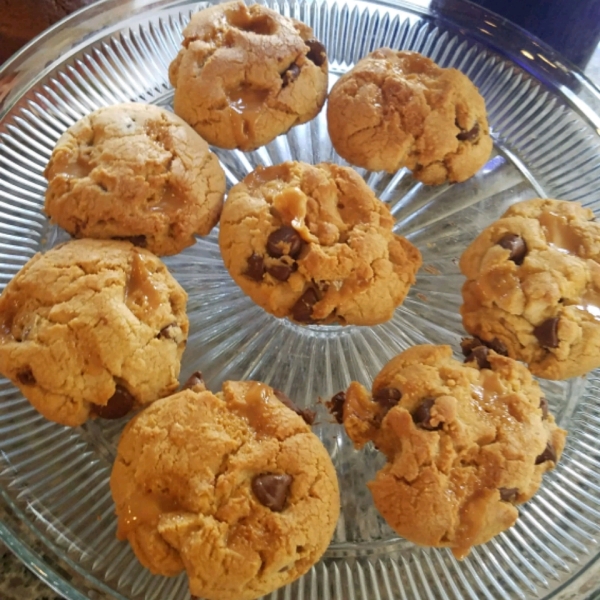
{"x":280,"y":272}
{"x":422,"y":415}
{"x":547,"y":333}
{"x":271,"y":490}
{"x":549,"y":453}
{"x":25,"y":377}
{"x":302,"y":310}
{"x":284,"y":241}
{"x":317,"y":52}
{"x":480,"y":356}
{"x":336,"y":406}
{"x":290,"y":74}
{"x":137,"y":240}
{"x":255,"y":267}
{"x":193,"y":380}
{"x":508,"y":494}
{"x":497,"y":346}
{"x":168,"y":332}
{"x":467,"y":345}
{"x":387,"y":397}
{"x":517,"y":246}
{"x":307,"y":414}
{"x":118,"y":405}
{"x":544,"y":407}
{"x":470,"y":135}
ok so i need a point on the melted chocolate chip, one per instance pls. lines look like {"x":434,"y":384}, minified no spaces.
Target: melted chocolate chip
{"x":118,"y":405}
{"x":480,"y":356}
{"x":168,"y":332}
{"x":302,"y":310}
{"x":193,"y":380}
{"x":290,"y":74}
{"x":137,"y":240}
{"x":336,"y":406}
{"x":307,"y":414}
{"x":516,"y":245}
{"x":271,"y":490}
{"x":544,"y":407}
{"x":422,"y":415}
{"x":387,"y":397}
{"x":25,"y":377}
{"x":317,"y":52}
{"x":284,"y":241}
{"x":469,"y":136}
{"x":498,"y":347}
{"x":255,"y":267}
{"x":467,"y":345}
{"x":547,"y":333}
{"x":508,"y":494}
{"x":280,"y":272}
{"x":549,"y":453}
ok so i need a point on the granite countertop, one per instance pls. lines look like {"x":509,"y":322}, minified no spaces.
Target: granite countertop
{"x":18,"y":583}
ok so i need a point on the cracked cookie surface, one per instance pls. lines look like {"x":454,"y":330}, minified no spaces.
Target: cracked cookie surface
{"x":533,"y":284}
{"x":399,"y":109}
{"x":92,"y":328}
{"x":138,"y":172}
{"x":233,"y":487}
{"x":464,"y":443}
{"x":247,"y":74}
{"x":314,"y":244}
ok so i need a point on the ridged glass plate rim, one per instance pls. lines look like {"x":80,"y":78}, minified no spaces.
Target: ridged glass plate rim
{"x":58,"y":44}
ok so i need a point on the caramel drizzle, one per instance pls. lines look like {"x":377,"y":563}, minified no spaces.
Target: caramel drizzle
{"x":143,"y":508}
{"x":140,"y":290}
{"x":559,"y":233}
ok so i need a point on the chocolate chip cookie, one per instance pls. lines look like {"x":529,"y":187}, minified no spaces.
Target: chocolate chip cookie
{"x":136,"y":172}
{"x":465,"y":443}
{"x":533,"y":285}
{"x":399,"y":109}
{"x":92,"y":328}
{"x":233,"y":487}
{"x":247,"y":74}
{"x":314,"y":244}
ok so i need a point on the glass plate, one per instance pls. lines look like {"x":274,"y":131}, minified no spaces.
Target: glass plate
{"x":54,"y":480}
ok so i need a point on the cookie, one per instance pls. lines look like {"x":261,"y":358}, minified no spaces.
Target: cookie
{"x":137,"y":172}
{"x":533,"y":287}
{"x":465,"y":443}
{"x":314,"y":244}
{"x":247,"y":74}
{"x":92,"y":328}
{"x":399,"y":109}
{"x":233,"y":487}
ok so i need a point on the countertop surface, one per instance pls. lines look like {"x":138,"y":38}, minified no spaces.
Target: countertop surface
{"x":17,"y":582}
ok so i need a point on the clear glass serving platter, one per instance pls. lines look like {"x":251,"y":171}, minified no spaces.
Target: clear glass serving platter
{"x":57,"y":510}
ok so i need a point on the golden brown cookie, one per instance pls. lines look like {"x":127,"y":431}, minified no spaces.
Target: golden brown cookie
{"x":464,"y":443}
{"x":233,"y":487}
{"x":533,"y":286}
{"x":92,"y":328}
{"x":137,"y":172}
{"x":314,"y":244}
{"x":247,"y":74}
{"x":399,"y":109}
